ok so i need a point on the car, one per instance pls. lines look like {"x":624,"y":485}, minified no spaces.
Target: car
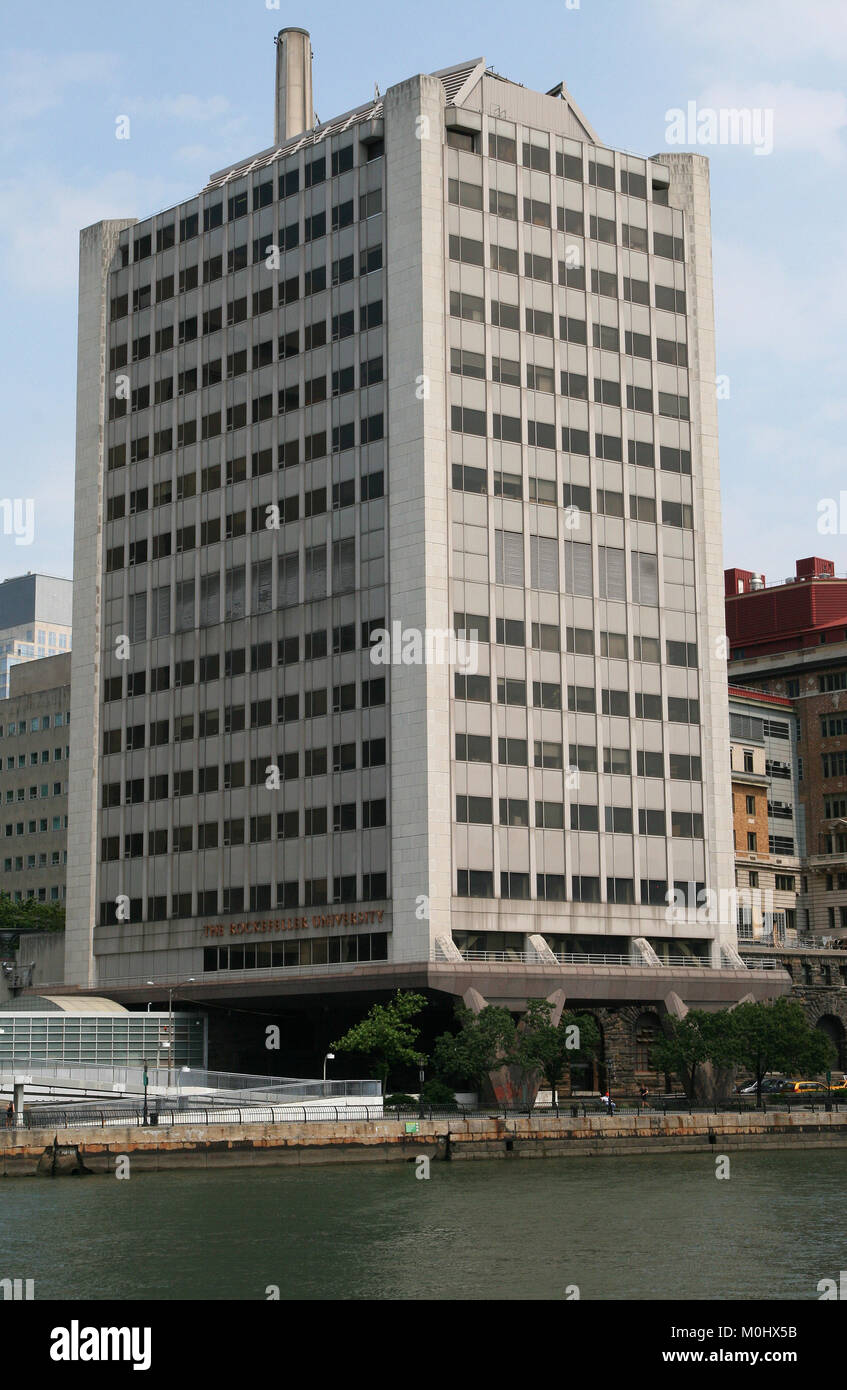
{"x":815,"y":1087}
{"x":770,"y":1084}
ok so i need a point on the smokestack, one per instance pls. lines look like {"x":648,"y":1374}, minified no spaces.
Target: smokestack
{"x":294,"y":110}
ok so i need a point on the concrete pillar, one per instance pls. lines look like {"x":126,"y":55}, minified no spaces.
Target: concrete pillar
{"x":19,"y":1084}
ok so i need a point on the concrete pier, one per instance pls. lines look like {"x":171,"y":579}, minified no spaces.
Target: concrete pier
{"x":392,"y":1140}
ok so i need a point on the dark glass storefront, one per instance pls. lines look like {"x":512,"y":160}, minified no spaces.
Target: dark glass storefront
{"x":270,"y":955}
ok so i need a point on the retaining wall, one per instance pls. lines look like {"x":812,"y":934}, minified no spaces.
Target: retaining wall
{"x":457,"y":1139}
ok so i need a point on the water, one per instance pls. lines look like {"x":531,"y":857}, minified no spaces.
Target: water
{"x":619,"y":1228}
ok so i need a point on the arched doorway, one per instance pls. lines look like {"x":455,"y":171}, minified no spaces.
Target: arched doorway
{"x":586,"y":1074}
{"x":832,"y":1026}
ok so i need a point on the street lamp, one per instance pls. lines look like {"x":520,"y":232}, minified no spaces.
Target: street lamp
{"x":330,"y":1057}
{"x":171,"y":1043}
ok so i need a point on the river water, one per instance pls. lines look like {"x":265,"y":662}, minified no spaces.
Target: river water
{"x":618,"y":1228}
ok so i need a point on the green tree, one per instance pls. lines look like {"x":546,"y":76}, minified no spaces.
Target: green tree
{"x":483,"y":1042}
{"x":30,"y":915}
{"x":777,"y":1037}
{"x":550,"y":1048}
{"x":387,"y":1034}
{"x":690,"y":1042}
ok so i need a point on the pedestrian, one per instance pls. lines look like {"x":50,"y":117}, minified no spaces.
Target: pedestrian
{"x":644,"y":1094}
{"x":10,"y":1115}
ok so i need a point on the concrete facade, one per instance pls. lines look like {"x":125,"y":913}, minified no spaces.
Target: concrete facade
{"x":466,"y":353}
{"x":34,"y":762}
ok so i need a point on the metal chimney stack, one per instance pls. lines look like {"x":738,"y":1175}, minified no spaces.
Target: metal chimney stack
{"x":294,"y":110}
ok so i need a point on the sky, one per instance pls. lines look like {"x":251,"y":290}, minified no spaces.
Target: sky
{"x":197,"y":83}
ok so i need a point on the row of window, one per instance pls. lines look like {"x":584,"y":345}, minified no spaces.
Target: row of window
{"x":582,"y":699}
{"x":333,"y":950}
{"x":342,"y":325}
{"x":40,"y":827}
{"x":185,"y":673}
{"x":234,"y":593}
{"x":237,"y":206}
{"x":539,"y":213}
{"x":569,"y":272}
{"x":576,"y":498}
{"x":36,"y":724}
{"x":233,"y":718}
{"x":834,"y":764}
{"x":550,"y":815}
{"x":479,"y":883}
{"x":777,"y":844}
{"x":535,"y":154}
{"x":269,"y":516}
{"x":41,"y":895}
{"x":343,"y":436}
{"x":315,"y":226}
{"x":543,"y":435}
{"x":582,"y":757}
{"x":317,"y":820}
{"x":35,"y":759}
{"x":36,"y":793}
{"x":314,"y":892}
{"x":540,"y":322}
{"x":833,"y":726}
{"x":267,"y":772}
{"x":315,"y":389}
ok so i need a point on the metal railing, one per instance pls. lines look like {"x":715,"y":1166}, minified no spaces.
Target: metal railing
{"x":180,"y":1079}
{"x":575,"y":958}
{"x":105,"y":1117}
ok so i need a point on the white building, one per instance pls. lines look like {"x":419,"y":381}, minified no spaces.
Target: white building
{"x":446,"y":362}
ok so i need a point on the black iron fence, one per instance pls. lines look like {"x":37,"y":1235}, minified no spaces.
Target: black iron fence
{"x":75,"y":1117}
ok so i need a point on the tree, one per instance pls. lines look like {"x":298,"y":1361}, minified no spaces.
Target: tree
{"x":30,"y":915}
{"x":387,"y":1034}
{"x":690,"y":1042}
{"x":777,"y":1037}
{"x":484,"y":1041}
{"x":550,"y":1048}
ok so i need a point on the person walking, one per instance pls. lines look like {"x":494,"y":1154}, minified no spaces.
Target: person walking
{"x":10,"y":1115}
{"x":644,"y":1094}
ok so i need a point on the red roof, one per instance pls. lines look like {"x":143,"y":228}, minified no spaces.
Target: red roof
{"x":742,"y":692}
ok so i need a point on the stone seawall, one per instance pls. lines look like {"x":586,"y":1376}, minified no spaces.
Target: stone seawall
{"x":456,"y":1139}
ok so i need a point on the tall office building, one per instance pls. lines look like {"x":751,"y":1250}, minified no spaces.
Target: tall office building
{"x":35,"y":621}
{"x":442,"y":364}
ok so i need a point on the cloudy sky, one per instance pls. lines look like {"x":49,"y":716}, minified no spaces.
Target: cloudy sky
{"x":196,"y":80}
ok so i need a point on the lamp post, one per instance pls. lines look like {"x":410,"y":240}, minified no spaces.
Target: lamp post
{"x":144,"y":1080}
{"x":420,"y":1092}
{"x":171,"y":1043}
{"x":330,"y":1057}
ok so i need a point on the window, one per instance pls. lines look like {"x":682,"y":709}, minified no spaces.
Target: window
{"x":508,"y":558}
